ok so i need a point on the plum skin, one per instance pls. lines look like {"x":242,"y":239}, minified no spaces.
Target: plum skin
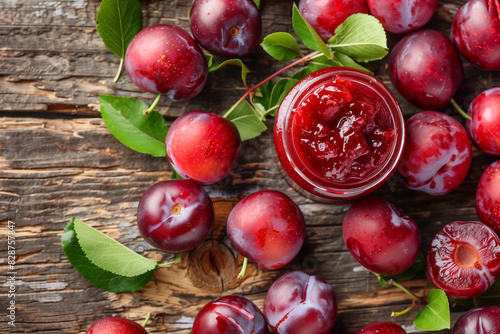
{"x":165,"y":59}
{"x":381,"y":236}
{"x":267,"y":227}
{"x":484,"y":126}
{"x":300,"y":303}
{"x":203,"y":147}
{"x":175,"y":215}
{"x":425,"y":69}
{"x":437,"y":154}
{"x":326,"y":15}
{"x":402,"y":16}
{"x":488,"y":197}
{"x":463,"y":259}
{"x":228,"y":315}
{"x":382,"y":328}
{"x":116,"y":325}
{"x":226,"y":28}
{"x":476,"y":33}
{"x":481,"y":320}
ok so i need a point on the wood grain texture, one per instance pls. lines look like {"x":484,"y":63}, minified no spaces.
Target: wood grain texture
{"x":58,"y":161}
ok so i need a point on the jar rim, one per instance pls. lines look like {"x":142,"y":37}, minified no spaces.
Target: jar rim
{"x":300,"y":173}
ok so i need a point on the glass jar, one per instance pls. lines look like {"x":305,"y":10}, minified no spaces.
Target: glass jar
{"x":339,"y":134}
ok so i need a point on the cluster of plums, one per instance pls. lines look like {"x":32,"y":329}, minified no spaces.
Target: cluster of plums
{"x":267,"y":227}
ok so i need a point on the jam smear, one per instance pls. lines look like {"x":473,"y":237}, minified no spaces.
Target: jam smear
{"x":342,"y":132}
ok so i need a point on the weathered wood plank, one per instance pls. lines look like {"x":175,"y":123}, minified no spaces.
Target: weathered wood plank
{"x":78,"y":169}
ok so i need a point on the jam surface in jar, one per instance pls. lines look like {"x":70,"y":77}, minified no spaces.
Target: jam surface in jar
{"x":341,"y":131}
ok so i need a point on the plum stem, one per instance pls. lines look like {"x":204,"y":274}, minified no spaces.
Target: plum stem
{"x":119,"y":72}
{"x":460,"y":110}
{"x":153,"y":105}
{"x":148,"y":316}
{"x":243,"y":269}
{"x":250,"y":90}
{"x":408,"y":292}
{"x":177,"y":259}
{"x":403,"y":312}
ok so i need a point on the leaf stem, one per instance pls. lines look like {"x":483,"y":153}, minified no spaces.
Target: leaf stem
{"x":177,"y":259}
{"x":118,"y":73}
{"x":153,"y":105}
{"x":253,"y":88}
{"x":403,"y":312}
{"x":460,"y":110}
{"x":148,"y":316}
{"x":243,"y":269}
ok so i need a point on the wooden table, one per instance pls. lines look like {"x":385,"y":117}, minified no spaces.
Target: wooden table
{"x":58,"y":161}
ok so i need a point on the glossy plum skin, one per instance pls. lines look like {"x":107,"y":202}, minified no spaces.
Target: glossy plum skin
{"x":381,"y":236}
{"x":226,"y":28}
{"x":476,"y":33}
{"x":484,"y":126}
{"x":166,"y":59}
{"x":382,"y":328}
{"x":425,"y":69}
{"x":203,"y":147}
{"x":299,"y":303}
{"x":481,"y":320}
{"x":488,"y":197}
{"x":326,"y":15}
{"x":464,"y":259}
{"x":437,"y":155}
{"x":267,"y":227}
{"x":229,"y":315}
{"x":175,"y":215}
{"x":402,"y":16}
{"x":116,"y":325}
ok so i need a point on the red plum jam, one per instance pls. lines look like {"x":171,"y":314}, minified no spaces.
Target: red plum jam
{"x":339,"y":134}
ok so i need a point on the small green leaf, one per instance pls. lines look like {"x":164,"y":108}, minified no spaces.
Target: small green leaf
{"x":417,"y":267}
{"x":98,"y":277}
{"x":382,"y":280}
{"x":246,"y":120}
{"x":215,"y":65}
{"x":281,"y":46}
{"x":306,"y":33}
{"x":263,"y":94}
{"x":176,"y":176}
{"x":347,"y":61}
{"x":118,"y":21}
{"x":108,"y":254}
{"x":125,"y":119}
{"x":362,"y":37}
{"x":257,"y":3}
{"x":436,"y":314}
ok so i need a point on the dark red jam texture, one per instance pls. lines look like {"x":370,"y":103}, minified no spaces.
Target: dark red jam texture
{"x":342,"y":132}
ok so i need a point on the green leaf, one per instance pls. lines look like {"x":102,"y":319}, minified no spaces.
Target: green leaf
{"x":306,"y":33}
{"x":347,"y":61}
{"x":417,"y":267}
{"x":281,"y":46}
{"x":118,"y":21}
{"x":263,"y":94}
{"x":362,"y":37}
{"x":108,"y":254}
{"x":246,"y":120}
{"x":125,"y":119}
{"x":98,"y":277}
{"x":257,"y":3}
{"x":214,"y":65}
{"x":436,"y":314}
{"x":176,"y":176}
